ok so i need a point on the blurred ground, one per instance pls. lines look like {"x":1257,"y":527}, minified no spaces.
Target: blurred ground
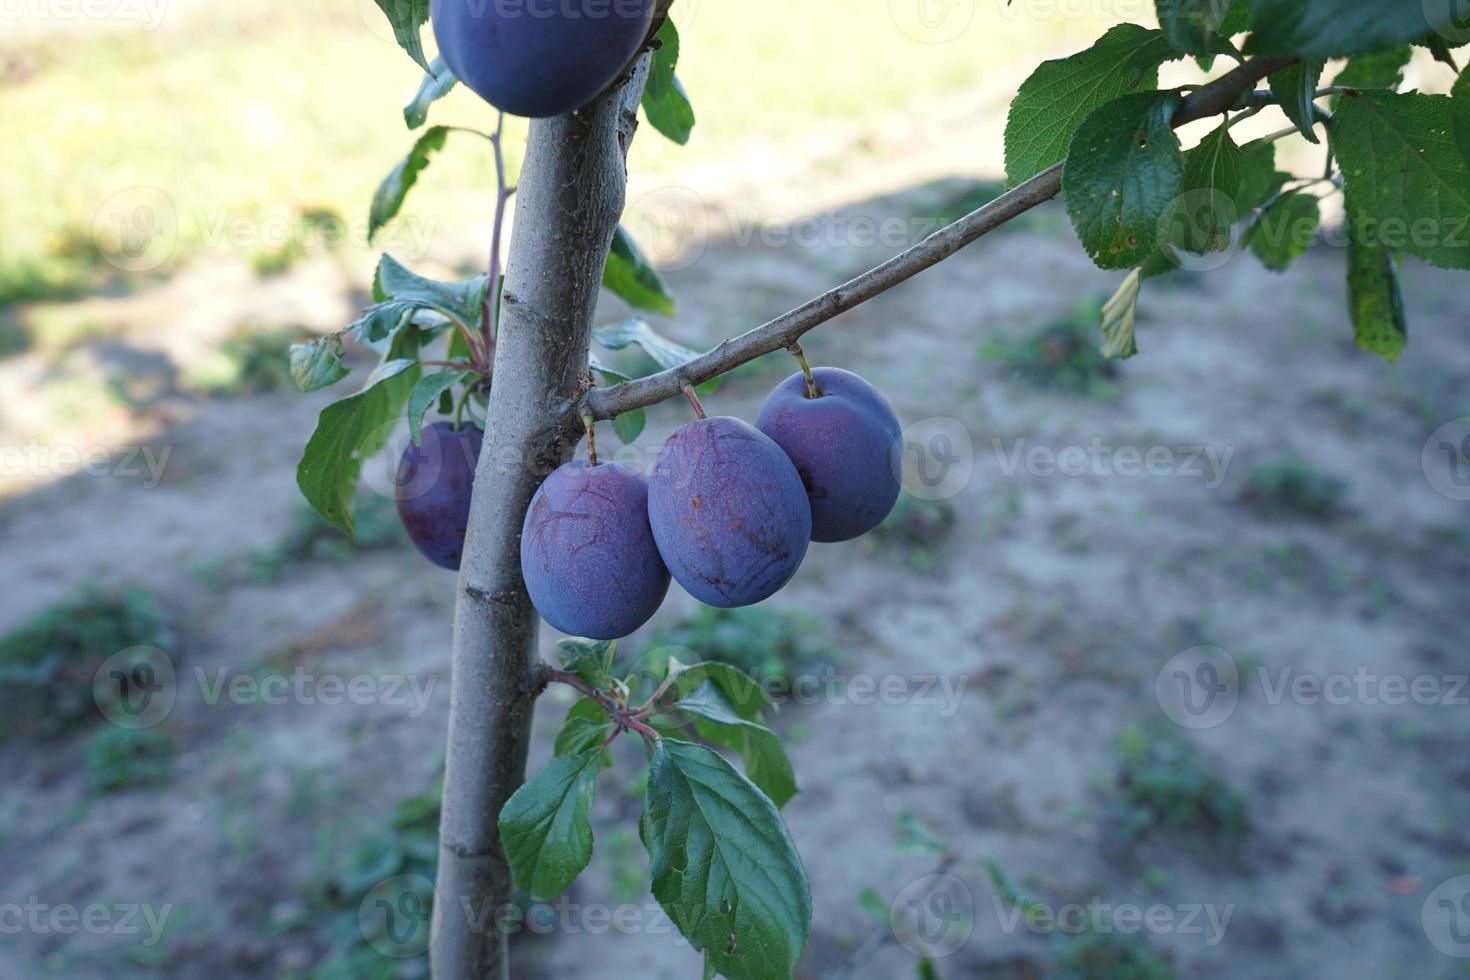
{"x":1289,"y":518}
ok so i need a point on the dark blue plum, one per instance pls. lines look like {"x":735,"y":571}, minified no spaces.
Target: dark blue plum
{"x":728,"y":511}
{"x":846,"y":444}
{"x":539,"y":57}
{"x":587,"y":552}
{"x":433,"y":486}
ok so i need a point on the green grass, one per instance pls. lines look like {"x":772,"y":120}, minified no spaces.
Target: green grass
{"x":772,"y":645}
{"x":1165,"y":785}
{"x":123,"y":758}
{"x":238,"y":123}
{"x":1294,"y":487}
{"x":48,"y":664}
{"x":1060,"y":356}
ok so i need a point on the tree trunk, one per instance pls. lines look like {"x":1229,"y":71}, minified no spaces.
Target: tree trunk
{"x":569,"y":200}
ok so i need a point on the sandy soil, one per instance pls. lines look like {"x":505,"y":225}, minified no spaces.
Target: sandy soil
{"x":1050,"y":608}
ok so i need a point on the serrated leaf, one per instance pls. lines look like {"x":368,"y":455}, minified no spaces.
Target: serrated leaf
{"x":629,"y":425}
{"x":629,"y":274}
{"x":317,"y":364}
{"x":1123,"y":176}
{"x":664,"y":102}
{"x":1190,"y":24}
{"x":1338,"y":28}
{"x":586,"y":727}
{"x":1294,"y":86}
{"x":722,"y":864}
{"x":742,"y":691}
{"x":1119,"y":315}
{"x":1212,"y":174}
{"x":436,"y":84}
{"x":717,"y":719}
{"x":350,"y":430}
{"x":590,"y":660}
{"x":1381,"y":69}
{"x":546,"y":826}
{"x":1460,"y":110}
{"x":1407,"y":185}
{"x":1284,"y":229}
{"x":388,"y":198}
{"x":634,"y":330}
{"x":426,"y":392}
{"x":1059,"y":95}
{"x":1375,"y":299}
{"x":406,"y":17}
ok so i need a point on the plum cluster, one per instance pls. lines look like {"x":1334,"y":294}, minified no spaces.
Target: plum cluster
{"x":728,"y":510}
{"x":539,"y":57}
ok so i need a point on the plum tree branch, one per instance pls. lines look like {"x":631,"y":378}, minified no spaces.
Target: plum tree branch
{"x":607,"y":402}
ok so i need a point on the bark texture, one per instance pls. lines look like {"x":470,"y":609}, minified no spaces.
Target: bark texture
{"x":569,"y":200}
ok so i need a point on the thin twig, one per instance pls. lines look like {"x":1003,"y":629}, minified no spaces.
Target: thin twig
{"x":607,"y":402}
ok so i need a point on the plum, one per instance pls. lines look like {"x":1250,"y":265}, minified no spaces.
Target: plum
{"x":728,"y":511}
{"x":846,"y":444}
{"x":587,"y":552}
{"x":539,"y":57}
{"x":432,"y":487}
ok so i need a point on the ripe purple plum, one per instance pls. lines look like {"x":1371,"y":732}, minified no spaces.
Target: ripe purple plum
{"x":539,"y":57}
{"x":432,"y":487}
{"x":588,"y":554}
{"x":847,"y":445}
{"x":728,"y":511}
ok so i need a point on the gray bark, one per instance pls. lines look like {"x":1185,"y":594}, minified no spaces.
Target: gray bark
{"x":570,"y":197}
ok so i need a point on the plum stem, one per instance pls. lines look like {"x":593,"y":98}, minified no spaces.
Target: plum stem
{"x":694,"y":400}
{"x":806,"y":369}
{"x":591,"y":439}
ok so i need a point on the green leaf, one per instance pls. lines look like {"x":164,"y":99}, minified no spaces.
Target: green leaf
{"x":1285,"y":229}
{"x":1381,"y":69}
{"x":546,"y":827}
{"x":426,"y":392}
{"x":388,"y":198}
{"x":1260,"y":181}
{"x":1338,"y":28}
{"x":1460,"y":110}
{"x":717,"y":719}
{"x":1293,"y":87}
{"x":1059,"y":95}
{"x":918,"y":838}
{"x":665,"y":353}
{"x":590,"y":660}
{"x":352,"y":429}
{"x":586,"y":727}
{"x":1408,"y":186}
{"x":629,"y":425}
{"x":318,"y":363}
{"x":744,"y":694}
{"x":436,"y":84}
{"x":1375,"y":299}
{"x":664,"y":101}
{"x":722,"y":864}
{"x":1123,"y":176}
{"x":461,"y":299}
{"x":1118,"y":316}
{"x":1190,"y":24}
{"x":1207,"y":210}
{"x":872,"y":903}
{"x":629,"y":275}
{"x":406,"y":17}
